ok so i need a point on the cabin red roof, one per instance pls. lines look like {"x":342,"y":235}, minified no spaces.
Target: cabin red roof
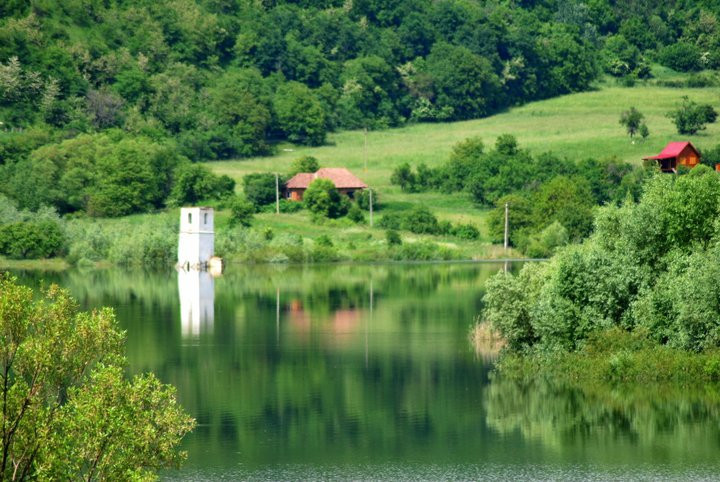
{"x":673,"y":149}
{"x":341,"y":177}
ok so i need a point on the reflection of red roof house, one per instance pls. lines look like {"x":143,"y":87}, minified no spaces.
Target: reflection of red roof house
{"x":345,"y":181}
{"x":676,"y":154}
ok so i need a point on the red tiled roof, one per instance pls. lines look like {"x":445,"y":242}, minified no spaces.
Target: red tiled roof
{"x":673,"y":149}
{"x":341,"y":177}
{"x":300,"y":180}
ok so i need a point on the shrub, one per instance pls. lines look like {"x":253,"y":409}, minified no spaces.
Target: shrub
{"x":393,"y":238}
{"x":322,"y":198}
{"x":391,"y":221}
{"x":362,"y":198}
{"x":681,"y":56}
{"x":544,"y":243}
{"x":259,"y":188}
{"x":241,"y":212}
{"x":355,"y":214}
{"x":31,"y":240}
{"x":324,"y":241}
{"x":466,"y":231}
{"x":420,"y":220}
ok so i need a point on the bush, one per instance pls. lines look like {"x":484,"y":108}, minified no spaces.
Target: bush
{"x":544,"y":243}
{"x":355,"y":214}
{"x":466,"y":231}
{"x":241,"y":212}
{"x":323,"y":199}
{"x":420,"y":220}
{"x":194,"y":182}
{"x":31,"y":240}
{"x":391,"y":221}
{"x":259,"y":188}
{"x":362,"y":198}
{"x":324,"y":241}
{"x":680,"y":56}
{"x":393,"y":238}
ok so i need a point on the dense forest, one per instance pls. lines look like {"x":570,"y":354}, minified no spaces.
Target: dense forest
{"x":104,"y":104}
{"x":227,"y":78}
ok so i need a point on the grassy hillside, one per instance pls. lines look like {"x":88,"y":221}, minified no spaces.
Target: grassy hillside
{"x":575,"y":126}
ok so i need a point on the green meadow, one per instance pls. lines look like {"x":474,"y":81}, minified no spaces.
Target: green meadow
{"x":574,"y":126}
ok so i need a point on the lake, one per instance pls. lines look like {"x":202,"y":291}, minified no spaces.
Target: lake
{"x":367,"y":372}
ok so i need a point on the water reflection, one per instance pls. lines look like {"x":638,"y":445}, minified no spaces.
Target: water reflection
{"x":364,"y":366}
{"x":197,"y":302}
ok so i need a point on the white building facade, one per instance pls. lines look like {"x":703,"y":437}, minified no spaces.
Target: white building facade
{"x":197,"y":238}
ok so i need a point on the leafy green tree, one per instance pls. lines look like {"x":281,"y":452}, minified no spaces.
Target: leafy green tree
{"x":404,"y":177}
{"x":300,"y":114}
{"x":632,"y":120}
{"x":194,"y":182}
{"x":462,"y":81}
{"x":259,"y":188}
{"x":690,"y":117}
{"x":567,"y":200}
{"x":31,"y":239}
{"x":520,"y":218}
{"x":681,"y":56}
{"x":322,"y":198}
{"x":304,"y":164}
{"x":67,"y":408}
{"x":100,"y":174}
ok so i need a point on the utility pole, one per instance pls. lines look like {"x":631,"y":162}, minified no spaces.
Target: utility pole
{"x":507,"y":226}
{"x":371,"y":208}
{"x":365,"y":149}
{"x":277,"y":194}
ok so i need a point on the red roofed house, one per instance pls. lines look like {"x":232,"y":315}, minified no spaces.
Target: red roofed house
{"x":676,"y":154}
{"x":344,"y":180}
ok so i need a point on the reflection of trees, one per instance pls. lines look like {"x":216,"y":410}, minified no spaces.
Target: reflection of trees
{"x":663,"y":424}
{"x":404,"y":382}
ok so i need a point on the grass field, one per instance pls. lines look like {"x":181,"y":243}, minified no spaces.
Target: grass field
{"x":574,"y":126}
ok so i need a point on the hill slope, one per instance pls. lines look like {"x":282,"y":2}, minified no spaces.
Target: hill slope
{"x":575,"y":126}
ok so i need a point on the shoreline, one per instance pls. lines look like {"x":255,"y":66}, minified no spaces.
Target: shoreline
{"x":61,"y":264}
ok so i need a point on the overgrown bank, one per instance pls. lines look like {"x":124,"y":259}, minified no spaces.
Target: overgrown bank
{"x":637,"y":300}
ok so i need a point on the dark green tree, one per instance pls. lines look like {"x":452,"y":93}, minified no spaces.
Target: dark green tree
{"x":322,"y":198}
{"x":259,"y":188}
{"x":300,"y":114}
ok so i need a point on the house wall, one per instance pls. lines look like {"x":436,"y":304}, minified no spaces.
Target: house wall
{"x":688,"y":158}
{"x":295,"y":194}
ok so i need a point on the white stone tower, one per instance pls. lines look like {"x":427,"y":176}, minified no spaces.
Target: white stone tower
{"x":197,"y":238}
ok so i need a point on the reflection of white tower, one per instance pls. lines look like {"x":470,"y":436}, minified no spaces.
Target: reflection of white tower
{"x":197,"y":237}
{"x":197,"y":301}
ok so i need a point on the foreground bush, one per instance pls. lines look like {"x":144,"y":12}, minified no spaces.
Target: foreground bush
{"x":68,"y":409}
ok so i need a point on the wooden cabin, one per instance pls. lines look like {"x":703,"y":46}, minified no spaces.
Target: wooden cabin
{"x":676,"y":154}
{"x":345,"y":182}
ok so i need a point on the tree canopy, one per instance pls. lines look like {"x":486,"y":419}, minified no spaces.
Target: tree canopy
{"x":68,"y":410}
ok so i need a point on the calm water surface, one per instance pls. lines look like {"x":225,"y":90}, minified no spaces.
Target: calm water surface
{"x":366,"y":372}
